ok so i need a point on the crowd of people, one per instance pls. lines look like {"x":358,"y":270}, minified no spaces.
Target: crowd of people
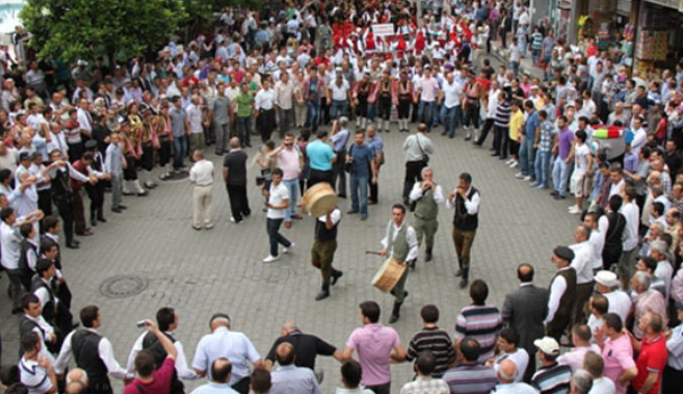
{"x":318,"y":78}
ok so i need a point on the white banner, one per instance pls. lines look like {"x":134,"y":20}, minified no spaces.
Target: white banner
{"x":386,"y":29}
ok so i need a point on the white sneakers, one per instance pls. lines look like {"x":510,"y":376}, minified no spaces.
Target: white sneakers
{"x":285,"y":250}
{"x":574,"y":210}
{"x":519,"y":175}
{"x":271,"y":259}
{"x":528,"y":178}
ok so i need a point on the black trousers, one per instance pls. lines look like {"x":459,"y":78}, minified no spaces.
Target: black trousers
{"x":499,"y":138}
{"x":274,"y":236}
{"x":45,"y":201}
{"x":413,"y":174}
{"x":65,"y":208}
{"x":96,"y":196}
{"x":318,"y":176}
{"x":239,"y":204}
{"x":373,"y":194}
{"x":338,"y":174}
{"x":266,"y":123}
{"x":611,"y":255}
{"x":381,"y":389}
{"x":672,"y":381}
{"x":488,"y":124}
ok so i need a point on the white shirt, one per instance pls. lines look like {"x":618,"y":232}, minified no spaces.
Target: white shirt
{"x":472,"y":206}
{"x":58,"y":141}
{"x":630,"y":212}
{"x":10,"y":242}
{"x":105,"y":350}
{"x":34,"y":377}
{"x":583,"y":262}
{"x":339,"y":93}
{"x":235,"y":346}
{"x":521,"y":359}
{"x":84,"y":119}
{"x":665,"y":272}
{"x":557,"y":289}
{"x":201,"y":173}
{"x":411,"y":239}
{"x":452,"y":94}
{"x":639,"y":140}
{"x":265,"y":99}
{"x":278,"y":195}
{"x":675,"y":347}
{"x":180,"y":361}
{"x":335,"y":216}
{"x":597,"y":242}
{"x":43,"y":330}
{"x":602,"y":385}
{"x":416,"y":193}
{"x":492,"y":105}
{"x":619,"y":303}
{"x":616,"y":188}
{"x":194,"y":119}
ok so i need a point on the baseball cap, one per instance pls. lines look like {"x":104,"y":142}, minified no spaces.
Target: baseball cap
{"x":548,"y":345}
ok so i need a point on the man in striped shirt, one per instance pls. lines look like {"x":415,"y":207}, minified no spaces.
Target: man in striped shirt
{"x":432,"y":339}
{"x":501,"y":126}
{"x":551,"y":378}
{"x":479,"y":321}
{"x":470,"y":376}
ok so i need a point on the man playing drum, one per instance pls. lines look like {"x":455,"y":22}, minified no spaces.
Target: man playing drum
{"x":400,"y":244}
{"x":324,"y":246}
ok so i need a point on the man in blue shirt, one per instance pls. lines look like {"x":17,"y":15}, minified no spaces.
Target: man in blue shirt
{"x":526,"y":150}
{"x":363,"y":165}
{"x":377,"y":145}
{"x":340,"y":137}
{"x":220,"y":379}
{"x":320,"y":156}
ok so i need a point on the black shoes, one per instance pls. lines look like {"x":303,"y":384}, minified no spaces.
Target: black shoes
{"x":335,"y":276}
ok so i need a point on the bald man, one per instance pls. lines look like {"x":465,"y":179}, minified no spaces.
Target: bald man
{"x":307,"y":347}
{"x":76,"y":381}
{"x":288,"y":378}
{"x":507,"y":372}
{"x":221,"y":370}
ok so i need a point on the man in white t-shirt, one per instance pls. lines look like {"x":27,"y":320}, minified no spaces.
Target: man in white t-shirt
{"x":583,"y":162}
{"x":278,"y":202}
{"x":290,"y":160}
{"x":452,"y":99}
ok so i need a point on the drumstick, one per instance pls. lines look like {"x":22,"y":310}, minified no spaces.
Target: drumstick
{"x":372,"y":252}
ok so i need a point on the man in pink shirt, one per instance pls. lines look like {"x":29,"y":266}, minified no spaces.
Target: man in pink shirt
{"x":617,"y":352}
{"x":581,"y":337}
{"x":646,"y":300}
{"x":290,"y":161}
{"x":374,"y":343}
{"x":428,"y":90}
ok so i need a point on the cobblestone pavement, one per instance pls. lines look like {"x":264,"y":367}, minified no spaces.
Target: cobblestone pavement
{"x":200,"y":273}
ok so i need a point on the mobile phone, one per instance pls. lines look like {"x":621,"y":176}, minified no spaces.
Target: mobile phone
{"x":140,"y":324}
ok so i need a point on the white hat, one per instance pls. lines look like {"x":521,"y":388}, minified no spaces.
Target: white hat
{"x":548,"y":345}
{"x":607,"y":278}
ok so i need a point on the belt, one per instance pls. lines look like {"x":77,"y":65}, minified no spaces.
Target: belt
{"x":208,"y":184}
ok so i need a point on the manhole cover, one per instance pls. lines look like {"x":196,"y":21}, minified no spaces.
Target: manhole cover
{"x":178,"y":175}
{"x":122,"y":286}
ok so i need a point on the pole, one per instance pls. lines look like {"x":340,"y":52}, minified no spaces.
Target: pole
{"x":419,"y":14}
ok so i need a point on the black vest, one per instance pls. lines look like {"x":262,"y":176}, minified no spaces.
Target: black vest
{"x":462,"y":220}
{"x":322,"y":234}
{"x":564,"y":310}
{"x":27,"y":325}
{"x":61,"y":186}
{"x":85,"y":346}
{"x":50,"y":309}
{"x":50,"y":241}
{"x":615,"y":229}
{"x":151,"y":343}
{"x":24,"y":249}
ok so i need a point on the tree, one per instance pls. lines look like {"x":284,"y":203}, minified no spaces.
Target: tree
{"x":86,"y":29}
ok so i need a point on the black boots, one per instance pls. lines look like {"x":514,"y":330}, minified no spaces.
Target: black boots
{"x":428,"y":255}
{"x":395,"y":313}
{"x":324,"y":292}
{"x":465,"y":274}
{"x":335,"y":276}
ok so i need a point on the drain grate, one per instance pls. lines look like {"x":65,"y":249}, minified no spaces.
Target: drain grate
{"x":121,"y":286}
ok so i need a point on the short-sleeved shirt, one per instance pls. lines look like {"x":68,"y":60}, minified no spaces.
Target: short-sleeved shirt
{"x":361,"y":157}
{"x":34,"y":377}
{"x":235,"y":346}
{"x":651,"y":359}
{"x":244,"y":104}
{"x":161,"y":384}
{"x":481,"y":322}
{"x":466,"y":379}
{"x":320,"y":155}
{"x":277,"y":196}
{"x":438,"y":342}
{"x":374,"y":343}
{"x":531,"y":123}
{"x":178,"y":117}
{"x":618,"y":357}
{"x":565,"y":138}
{"x":306,"y":348}
{"x":545,"y":142}
{"x":236,"y":163}
{"x":288,"y":161}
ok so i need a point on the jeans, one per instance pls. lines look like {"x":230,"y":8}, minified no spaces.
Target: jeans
{"x":293,"y":187}
{"x":535,"y":56}
{"x":424,"y":113}
{"x":116,"y":190}
{"x":312,"y":115}
{"x":526,"y":156}
{"x":453,"y":116}
{"x":560,"y":175}
{"x":542,"y":165}
{"x":359,"y":184}
{"x":514,"y":66}
{"x":338,"y":109}
{"x":273,"y":228}
{"x":244,"y":130}
{"x":179,"y":150}
{"x":436,"y":112}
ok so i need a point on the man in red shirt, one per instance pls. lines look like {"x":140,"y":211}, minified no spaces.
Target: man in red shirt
{"x":150,"y":381}
{"x":652,"y":354}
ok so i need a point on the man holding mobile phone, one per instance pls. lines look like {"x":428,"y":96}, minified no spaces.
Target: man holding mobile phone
{"x":151,"y":380}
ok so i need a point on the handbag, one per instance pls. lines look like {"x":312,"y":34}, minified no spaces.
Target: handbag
{"x":425,"y":157}
{"x":348,"y":164}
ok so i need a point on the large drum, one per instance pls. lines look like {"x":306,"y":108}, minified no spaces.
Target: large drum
{"x":388,"y":275}
{"x":320,"y":199}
